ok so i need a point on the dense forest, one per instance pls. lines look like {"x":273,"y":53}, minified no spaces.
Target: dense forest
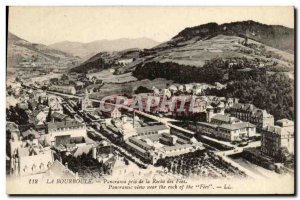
{"x":273,"y":92}
{"x":178,"y":73}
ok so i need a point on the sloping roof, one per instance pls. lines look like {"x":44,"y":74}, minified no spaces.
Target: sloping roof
{"x":140,"y":142}
{"x":12,"y":126}
{"x":285,"y":122}
{"x":30,"y":132}
{"x":59,"y":170}
{"x":58,"y":115}
{"x":82,"y":150}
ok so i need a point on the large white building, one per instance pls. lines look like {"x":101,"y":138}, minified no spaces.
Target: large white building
{"x":279,"y":136}
{"x":29,"y":158}
{"x":65,"y":128}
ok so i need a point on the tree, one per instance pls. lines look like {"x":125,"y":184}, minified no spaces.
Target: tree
{"x":48,"y":118}
{"x":283,"y":155}
{"x":40,"y":100}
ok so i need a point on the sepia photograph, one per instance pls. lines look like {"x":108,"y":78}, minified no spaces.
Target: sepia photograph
{"x":137,"y":100}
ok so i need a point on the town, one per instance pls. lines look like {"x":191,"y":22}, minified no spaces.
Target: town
{"x":56,"y":127}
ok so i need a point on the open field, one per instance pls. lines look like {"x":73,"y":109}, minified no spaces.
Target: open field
{"x":129,"y":87}
{"x":107,"y":76}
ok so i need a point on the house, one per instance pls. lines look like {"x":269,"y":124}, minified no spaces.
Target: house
{"x":166,"y":92}
{"x":40,"y":117}
{"x":188,"y":88}
{"x":59,"y":117}
{"x":125,"y":61}
{"x":23,"y":105}
{"x":114,"y":113}
{"x":30,"y":133}
{"x":276,"y":137}
{"x":197,"y":90}
{"x":173,"y":89}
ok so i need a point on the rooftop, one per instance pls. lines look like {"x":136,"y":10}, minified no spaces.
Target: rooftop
{"x":65,"y":124}
{"x":59,"y":170}
{"x":30,"y":132}
{"x":151,"y":128}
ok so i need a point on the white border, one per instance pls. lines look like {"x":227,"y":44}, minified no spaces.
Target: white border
{"x":3,"y":4}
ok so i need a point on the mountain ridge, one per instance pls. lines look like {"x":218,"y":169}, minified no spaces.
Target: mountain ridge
{"x":86,"y":50}
{"x":22,"y":53}
{"x":194,"y":46}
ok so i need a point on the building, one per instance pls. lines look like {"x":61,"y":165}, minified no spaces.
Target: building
{"x":276,"y":137}
{"x":156,"y":129}
{"x":173,"y":89}
{"x":210,"y":111}
{"x":65,"y":128}
{"x":125,"y":61}
{"x":204,"y":128}
{"x":55,"y":104}
{"x":29,"y":158}
{"x":66,"y":89}
{"x":40,"y":117}
{"x":236,"y":132}
{"x":248,"y":112}
{"x":86,"y":103}
{"x":224,"y":119}
{"x":225,"y":128}
{"x":59,"y":117}
{"x":60,"y":171}
{"x":112,"y":113}
{"x":152,"y":147}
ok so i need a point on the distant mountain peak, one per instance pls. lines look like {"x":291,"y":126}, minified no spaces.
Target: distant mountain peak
{"x":86,"y":50}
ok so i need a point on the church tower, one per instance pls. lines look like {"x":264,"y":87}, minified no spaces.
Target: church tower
{"x":85,"y":103}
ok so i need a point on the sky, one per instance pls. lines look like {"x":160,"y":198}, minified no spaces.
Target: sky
{"x":48,"y":25}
